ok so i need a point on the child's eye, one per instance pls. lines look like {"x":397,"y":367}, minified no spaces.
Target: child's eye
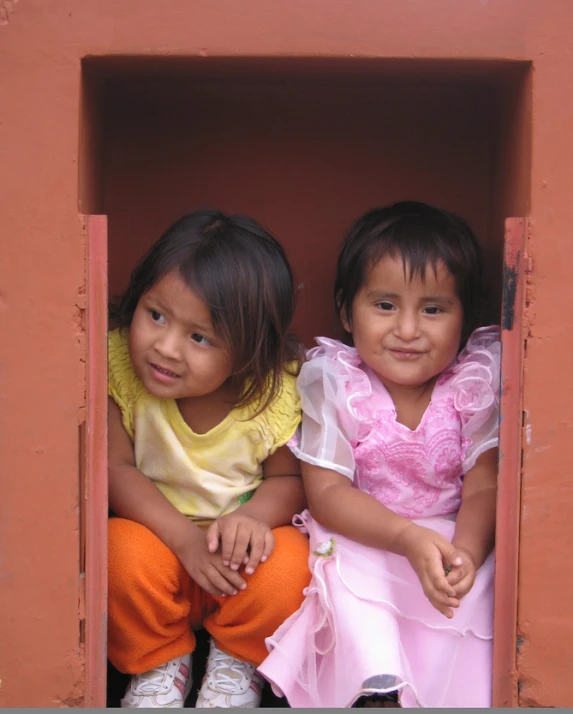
{"x":200,"y":339}
{"x":384,"y":305}
{"x":157,"y":317}
{"x":432,"y":310}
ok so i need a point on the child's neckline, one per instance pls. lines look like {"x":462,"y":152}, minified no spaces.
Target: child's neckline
{"x":175,"y":412}
{"x":379,"y":388}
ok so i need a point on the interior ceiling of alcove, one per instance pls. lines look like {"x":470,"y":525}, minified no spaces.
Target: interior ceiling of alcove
{"x":303,"y":158}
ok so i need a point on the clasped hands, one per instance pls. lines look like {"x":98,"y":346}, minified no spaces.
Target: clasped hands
{"x":213,"y":557}
{"x":446,"y":571}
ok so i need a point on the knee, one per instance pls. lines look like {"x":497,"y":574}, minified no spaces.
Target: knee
{"x":288,"y":565}
{"x":124,"y":540}
{"x":132,"y":550}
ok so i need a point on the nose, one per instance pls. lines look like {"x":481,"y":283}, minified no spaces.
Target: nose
{"x":407,"y":326}
{"x":168,"y":345}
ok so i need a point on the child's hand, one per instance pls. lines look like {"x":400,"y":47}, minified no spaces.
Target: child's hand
{"x":244,"y":540}
{"x":430,"y":554}
{"x":461,"y":577}
{"x":207,"y":569}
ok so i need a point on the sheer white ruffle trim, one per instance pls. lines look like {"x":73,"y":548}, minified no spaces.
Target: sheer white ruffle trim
{"x":475,"y":383}
{"x":332,"y":387}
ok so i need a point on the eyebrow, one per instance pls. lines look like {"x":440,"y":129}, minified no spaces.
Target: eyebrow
{"x":378,"y":295}
{"x":438,"y":298}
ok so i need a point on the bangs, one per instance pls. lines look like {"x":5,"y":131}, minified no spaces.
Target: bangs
{"x":420,"y":248}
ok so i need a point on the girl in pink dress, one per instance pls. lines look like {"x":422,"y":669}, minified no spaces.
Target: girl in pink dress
{"x":399,"y":456}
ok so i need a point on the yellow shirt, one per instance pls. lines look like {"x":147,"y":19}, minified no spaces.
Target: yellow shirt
{"x":203,"y":475}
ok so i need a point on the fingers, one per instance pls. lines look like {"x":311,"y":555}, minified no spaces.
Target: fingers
{"x":462,"y":578}
{"x":242,"y":542}
{"x":261,"y":548}
{"x":269,"y":545}
{"x":451,"y":556}
{"x":246,"y":545}
{"x":455,"y":575}
{"x":464,"y":585}
{"x":460,"y":582}
{"x":445,"y":607}
{"x":212,"y":536}
{"x":437,"y":588}
{"x":220,"y":581}
{"x":442,"y":600}
{"x":236,"y":539}
{"x":214,"y":583}
{"x":437,"y":579}
{"x":232,"y":577}
{"x":243,"y":537}
{"x":228,"y":530}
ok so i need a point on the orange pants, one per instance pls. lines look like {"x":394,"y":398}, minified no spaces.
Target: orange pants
{"x":154,"y":605}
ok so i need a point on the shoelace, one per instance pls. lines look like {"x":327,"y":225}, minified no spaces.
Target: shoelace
{"x":161,"y":677}
{"x":226,"y":671}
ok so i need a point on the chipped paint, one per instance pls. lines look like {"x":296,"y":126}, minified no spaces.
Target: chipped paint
{"x":6,"y":10}
{"x":509,"y":294}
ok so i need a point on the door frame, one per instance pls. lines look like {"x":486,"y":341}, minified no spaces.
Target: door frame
{"x":95,"y":466}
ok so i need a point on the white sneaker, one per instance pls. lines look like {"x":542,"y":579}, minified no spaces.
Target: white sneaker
{"x":166,"y":686}
{"x":229,"y":683}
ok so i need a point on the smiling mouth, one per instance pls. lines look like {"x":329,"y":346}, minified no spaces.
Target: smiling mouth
{"x":405,"y":354}
{"x":165,"y":372}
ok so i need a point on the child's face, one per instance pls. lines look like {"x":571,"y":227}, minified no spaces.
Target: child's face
{"x":407,"y":331}
{"x":173,"y":347}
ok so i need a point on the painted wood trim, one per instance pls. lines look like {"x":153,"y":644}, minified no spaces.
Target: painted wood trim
{"x":96,"y":506}
{"x":505,"y":676}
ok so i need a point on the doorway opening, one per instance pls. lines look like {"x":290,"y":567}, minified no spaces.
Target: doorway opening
{"x":304,"y":145}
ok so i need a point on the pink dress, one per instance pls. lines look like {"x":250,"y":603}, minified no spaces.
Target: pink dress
{"x":365,"y":620}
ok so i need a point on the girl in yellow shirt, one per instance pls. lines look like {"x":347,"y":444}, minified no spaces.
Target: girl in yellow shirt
{"x":202,"y":376}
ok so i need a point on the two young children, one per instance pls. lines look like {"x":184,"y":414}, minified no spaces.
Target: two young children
{"x":397,"y":450}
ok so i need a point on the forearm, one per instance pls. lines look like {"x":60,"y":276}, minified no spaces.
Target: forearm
{"x":134,"y":496}
{"x":475,"y":524}
{"x":360,"y":517}
{"x":276,"y":501}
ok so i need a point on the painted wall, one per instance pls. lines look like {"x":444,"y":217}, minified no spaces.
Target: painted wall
{"x":42,"y":349}
{"x":305,"y":158}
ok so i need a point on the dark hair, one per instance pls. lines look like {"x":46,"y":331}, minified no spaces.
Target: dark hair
{"x":241,"y":272}
{"x":421,"y":235}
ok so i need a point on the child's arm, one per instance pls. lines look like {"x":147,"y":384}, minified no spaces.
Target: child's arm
{"x":475,"y":523}
{"x":339,"y":507}
{"x":248,"y":529}
{"x":133,"y":495}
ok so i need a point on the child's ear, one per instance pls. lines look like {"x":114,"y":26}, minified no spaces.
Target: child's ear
{"x":345,"y":321}
{"x":344,"y":318}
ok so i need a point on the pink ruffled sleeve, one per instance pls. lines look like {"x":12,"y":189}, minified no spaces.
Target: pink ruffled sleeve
{"x":476,"y":387}
{"x":327,"y":384}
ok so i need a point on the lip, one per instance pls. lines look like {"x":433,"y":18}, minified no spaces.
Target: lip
{"x":405,"y":355}
{"x":162,"y":374}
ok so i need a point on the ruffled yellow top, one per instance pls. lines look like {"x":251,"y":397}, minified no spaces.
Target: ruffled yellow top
{"x":203,"y":475}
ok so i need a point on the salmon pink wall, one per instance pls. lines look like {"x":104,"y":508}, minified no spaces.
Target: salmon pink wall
{"x":42,"y":296}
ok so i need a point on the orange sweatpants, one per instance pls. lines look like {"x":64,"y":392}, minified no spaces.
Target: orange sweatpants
{"x":154,"y":605}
